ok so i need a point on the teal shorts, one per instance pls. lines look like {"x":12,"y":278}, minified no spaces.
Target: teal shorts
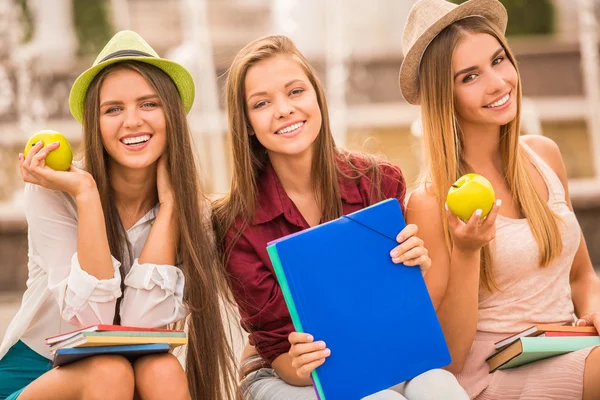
{"x":18,"y":368}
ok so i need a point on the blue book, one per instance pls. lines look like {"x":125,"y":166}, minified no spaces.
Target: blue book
{"x":341,"y":286}
{"x":131,"y":352}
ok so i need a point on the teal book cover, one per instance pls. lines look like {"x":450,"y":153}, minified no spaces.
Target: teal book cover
{"x":341,"y":286}
{"x":540,"y":348}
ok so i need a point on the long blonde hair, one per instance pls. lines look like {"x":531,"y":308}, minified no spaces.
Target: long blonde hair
{"x":249,"y":156}
{"x":210,"y":364}
{"x":444,"y":144}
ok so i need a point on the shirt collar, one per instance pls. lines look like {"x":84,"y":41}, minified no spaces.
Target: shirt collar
{"x":273,"y":200}
{"x":149,"y":216}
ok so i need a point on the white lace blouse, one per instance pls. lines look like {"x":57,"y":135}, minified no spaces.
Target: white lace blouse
{"x":61,"y":297}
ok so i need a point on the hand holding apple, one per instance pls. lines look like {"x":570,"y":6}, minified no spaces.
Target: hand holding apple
{"x":471,"y":192}
{"x":471,"y":199}
{"x":59,"y":159}
{"x":34,"y":169}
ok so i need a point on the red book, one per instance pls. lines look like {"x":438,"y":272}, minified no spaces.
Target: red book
{"x":549,"y":330}
{"x":101,"y":328}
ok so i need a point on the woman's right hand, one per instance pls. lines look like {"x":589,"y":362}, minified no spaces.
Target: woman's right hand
{"x":477,"y":232}
{"x":75,"y":181}
{"x":306,"y":354}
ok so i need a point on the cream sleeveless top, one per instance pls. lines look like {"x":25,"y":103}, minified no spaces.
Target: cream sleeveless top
{"x":528,"y":293}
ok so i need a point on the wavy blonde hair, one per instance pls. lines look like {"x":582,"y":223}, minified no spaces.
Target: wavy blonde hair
{"x":444,"y":144}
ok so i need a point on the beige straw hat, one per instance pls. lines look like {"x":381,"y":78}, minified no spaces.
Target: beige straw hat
{"x":426,"y":20}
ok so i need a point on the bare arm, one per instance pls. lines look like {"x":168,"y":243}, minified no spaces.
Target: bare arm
{"x":453,"y":279}
{"x":283,"y":366}
{"x":93,"y":250}
{"x":458,"y":309}
{"x":154,"y":285}
{"x":68,"y":240}
{"x":161,"y":246}
{"x":585,"y":285}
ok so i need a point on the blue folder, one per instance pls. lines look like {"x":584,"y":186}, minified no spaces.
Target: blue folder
{"x":341,"y":286}
{"x":131,"y":352}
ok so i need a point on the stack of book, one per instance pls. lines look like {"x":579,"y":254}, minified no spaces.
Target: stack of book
{"x":539,"y":342}
{"x":128,"y":341}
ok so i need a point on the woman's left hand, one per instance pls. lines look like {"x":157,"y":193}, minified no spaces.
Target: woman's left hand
{"x":163,"y":182}
{"x":592,"y":319}
{"x":411,"y":250}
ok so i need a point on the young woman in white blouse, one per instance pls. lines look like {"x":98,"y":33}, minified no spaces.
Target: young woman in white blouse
{"x":121,"y":238}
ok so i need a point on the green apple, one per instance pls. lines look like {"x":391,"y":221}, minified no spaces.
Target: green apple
{"x":469,"y":193}
{"x":59,"y":159}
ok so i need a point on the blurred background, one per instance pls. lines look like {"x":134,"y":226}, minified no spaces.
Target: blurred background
{"x":355,"y":46}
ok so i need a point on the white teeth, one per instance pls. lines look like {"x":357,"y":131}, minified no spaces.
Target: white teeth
{"x":500,"y":102}
{"x":290,"y":128}
{"x":136,"y":140}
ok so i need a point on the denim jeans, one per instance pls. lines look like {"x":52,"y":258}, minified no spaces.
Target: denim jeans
{"x":436,"y":384}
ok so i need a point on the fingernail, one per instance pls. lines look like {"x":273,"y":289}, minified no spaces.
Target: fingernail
{"x":327,"y":352}
{"x":309,"y":337}
{"x":478,"y":212}
{"x":57,"y":142}
{"x":498,"y":202}
{"x":20,"y":156}
{"x":38,"y":143}
{"x":394,"y":253}
{"x":446,"y":205}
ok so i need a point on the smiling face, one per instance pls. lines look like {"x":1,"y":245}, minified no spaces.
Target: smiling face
{"x":132,"y":120}
{"x":485,"y":82}
{"x":282,"y":106}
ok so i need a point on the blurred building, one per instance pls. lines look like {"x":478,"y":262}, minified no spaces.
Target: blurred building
{"x":355,"y":46}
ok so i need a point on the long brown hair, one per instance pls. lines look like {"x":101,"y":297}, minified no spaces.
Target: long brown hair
{"x":444,"y":144}
{"x":249,"y":156}
{"x":210,"y":362}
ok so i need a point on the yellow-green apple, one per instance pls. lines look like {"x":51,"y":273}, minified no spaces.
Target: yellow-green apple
{"x":469,"y":193}
{"x":59,"y":159}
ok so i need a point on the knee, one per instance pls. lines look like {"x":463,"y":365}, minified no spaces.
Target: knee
{"x":435,"y":384}
{"x":158,"y":367}
{"x":160,"y":373}
{"x":109,"y":376}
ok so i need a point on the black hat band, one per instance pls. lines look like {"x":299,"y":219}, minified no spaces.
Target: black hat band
{"x":126,"y":53}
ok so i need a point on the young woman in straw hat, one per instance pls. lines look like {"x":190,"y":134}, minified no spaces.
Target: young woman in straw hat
{"x":122,"y":238}
{"x":288,"y":175}
{"x":527,"y":262}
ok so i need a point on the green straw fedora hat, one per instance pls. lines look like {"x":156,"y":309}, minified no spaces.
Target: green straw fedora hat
{"x":426,"y":20}
{"x":128,"y":45}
